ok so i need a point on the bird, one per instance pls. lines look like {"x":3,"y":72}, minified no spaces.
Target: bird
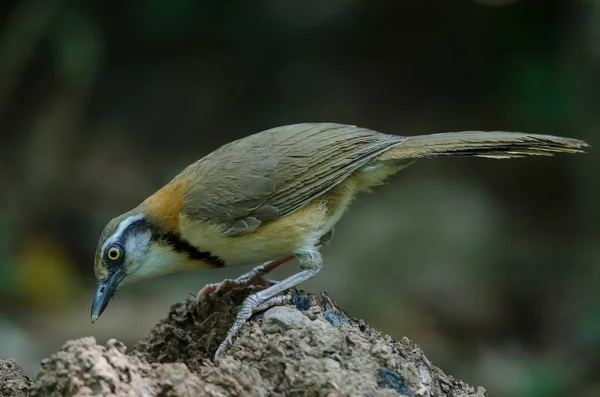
{"x":271,"y":197}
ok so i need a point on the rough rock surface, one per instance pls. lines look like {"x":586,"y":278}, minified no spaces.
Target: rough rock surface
{"x":13,"y":382}
{"x":307,"y":348}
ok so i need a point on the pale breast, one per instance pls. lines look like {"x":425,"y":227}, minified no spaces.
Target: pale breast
{"x":271,"y":240}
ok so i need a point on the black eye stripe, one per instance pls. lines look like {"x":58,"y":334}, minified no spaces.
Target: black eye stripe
{"x":134,"y":228}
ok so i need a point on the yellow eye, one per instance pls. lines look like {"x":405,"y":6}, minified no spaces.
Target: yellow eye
{"x":113,"y":253}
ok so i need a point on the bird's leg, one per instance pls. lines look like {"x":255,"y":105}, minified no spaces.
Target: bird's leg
{"x":253,"y":277}
{"x":257,"y":275}
{"x":311,"y":263}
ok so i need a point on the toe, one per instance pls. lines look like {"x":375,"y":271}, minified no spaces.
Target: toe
{"x":208,"y":288}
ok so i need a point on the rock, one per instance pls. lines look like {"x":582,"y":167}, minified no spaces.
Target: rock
{"x":13,"y":383}
{"x":311,"y":358}
{"x":282,"y":318}
{"x":84,"y":368}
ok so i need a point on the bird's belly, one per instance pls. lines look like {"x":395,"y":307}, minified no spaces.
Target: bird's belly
{"x":278,"y":238}
{"x":270,"y":241}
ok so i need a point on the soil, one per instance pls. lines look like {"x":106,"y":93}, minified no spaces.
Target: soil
{"x":307,"y":348}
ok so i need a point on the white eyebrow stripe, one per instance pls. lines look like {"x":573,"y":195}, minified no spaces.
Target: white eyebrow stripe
{"x":125,"y":223}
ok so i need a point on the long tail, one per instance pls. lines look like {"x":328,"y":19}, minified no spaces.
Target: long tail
{"x":497,"y":145}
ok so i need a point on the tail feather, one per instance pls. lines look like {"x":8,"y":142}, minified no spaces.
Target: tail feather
{"x":497,"y":145}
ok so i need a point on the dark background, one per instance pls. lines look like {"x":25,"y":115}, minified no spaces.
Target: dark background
{"x":491,"y":266}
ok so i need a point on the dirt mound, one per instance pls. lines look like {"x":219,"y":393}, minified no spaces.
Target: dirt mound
{"x":307,"y":348}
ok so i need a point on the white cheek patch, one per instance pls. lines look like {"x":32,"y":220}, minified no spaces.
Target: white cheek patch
{"x":136,"y":246}
{"x":158,"y":261}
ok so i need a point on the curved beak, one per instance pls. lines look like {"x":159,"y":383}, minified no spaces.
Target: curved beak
{"x":104,"y":293}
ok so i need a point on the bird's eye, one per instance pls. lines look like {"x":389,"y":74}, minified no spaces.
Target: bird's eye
{"x":114,"y":253}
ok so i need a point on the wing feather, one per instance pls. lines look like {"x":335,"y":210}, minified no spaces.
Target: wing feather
{"x":275,"y":172}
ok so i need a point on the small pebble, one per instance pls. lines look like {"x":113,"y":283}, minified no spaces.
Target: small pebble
{"x":362,"y":326}
{"x":281,"y":318}
{"x":114,"y":343}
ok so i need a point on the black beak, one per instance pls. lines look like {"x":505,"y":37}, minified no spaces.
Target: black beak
{"x":106,"y":290}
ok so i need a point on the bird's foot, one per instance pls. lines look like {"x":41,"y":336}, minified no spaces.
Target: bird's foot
{"x":252,"y":304}
{"x":242,"y":281}
{"x":257,"y":275}
{"x":254,"y":277}
{"x":310,"y":262}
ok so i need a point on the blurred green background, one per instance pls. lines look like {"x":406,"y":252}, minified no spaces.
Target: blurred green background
{"x":491,"y":266}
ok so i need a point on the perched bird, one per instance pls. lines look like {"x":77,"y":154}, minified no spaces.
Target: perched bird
{"x":272,"y":197}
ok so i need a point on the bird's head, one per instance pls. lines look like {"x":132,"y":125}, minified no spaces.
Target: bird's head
{"x":131,"y":248}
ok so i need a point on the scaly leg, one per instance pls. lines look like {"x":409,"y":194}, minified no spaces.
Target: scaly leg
{"x":311,"y":263}
{"x":257,"y":275}
{"x":253,"y":277}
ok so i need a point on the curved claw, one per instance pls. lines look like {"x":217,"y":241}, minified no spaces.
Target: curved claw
{"x":229,"y":283}
{"x":216,"y":287}
{"x":252,"y":304}
{"x":208,"y":289}
{"x":311,"y":262}
{"x":254,"y":277}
